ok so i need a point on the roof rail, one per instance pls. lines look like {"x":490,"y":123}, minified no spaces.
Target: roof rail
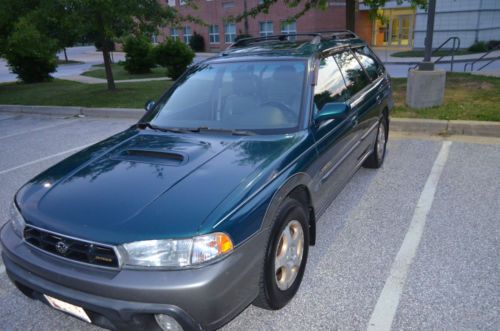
{"x":316,"y":37}
{"x":278,"y":37}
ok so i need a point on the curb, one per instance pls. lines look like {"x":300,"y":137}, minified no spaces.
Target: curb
{"x":445,"y":127}
{"x":433,"y":127}
{"x":132,"y":113}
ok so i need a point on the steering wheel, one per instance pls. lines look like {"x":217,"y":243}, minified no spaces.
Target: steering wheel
{"x":287,"y":112}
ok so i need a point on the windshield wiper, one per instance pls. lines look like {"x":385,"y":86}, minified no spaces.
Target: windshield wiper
{"x":234,"y":132}
{"x":163,"y":129}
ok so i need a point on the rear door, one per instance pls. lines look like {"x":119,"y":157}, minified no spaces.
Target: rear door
{"x":362,"y":99}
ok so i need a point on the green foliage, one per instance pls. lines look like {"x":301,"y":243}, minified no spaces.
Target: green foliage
{"x":138,"y":55}
{"x":493,"y":44}
{"x":479,"y":46}
{"x":197,"y":43}
{"x":29,"y":53}
{"x":174,"y":55}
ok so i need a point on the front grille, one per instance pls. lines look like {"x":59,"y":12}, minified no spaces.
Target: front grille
{"x":70,"y":248}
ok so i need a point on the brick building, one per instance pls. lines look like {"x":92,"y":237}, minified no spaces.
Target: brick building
{"x":221,"y":33}
{"x":470,"y":20}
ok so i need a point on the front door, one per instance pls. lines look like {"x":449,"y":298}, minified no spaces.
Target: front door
{"x":401,"y":30}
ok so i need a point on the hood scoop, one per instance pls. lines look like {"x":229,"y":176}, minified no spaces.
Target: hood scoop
{"x":151,"y":156}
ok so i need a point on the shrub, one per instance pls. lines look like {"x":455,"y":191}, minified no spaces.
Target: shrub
{"x":138,"y":55}
{"x":197,"y":43}
{"x":30,"y":54}
{"x":493,"y":44}
{"x":479,"y":46}
{"x":174,"y":55}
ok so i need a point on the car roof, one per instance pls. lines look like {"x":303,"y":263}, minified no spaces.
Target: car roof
{"x":303,"y":45}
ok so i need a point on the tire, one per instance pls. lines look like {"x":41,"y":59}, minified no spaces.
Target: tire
{"x":278,"y":284}
{"x":377,"y":157}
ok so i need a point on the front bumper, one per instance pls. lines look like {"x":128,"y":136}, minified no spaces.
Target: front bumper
{"x":198,"y":298}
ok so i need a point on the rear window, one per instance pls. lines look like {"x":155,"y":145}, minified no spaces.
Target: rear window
{"x":369,"y":62}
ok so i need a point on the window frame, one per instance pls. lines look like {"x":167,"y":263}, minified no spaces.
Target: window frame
{"x":226,"y":34}
{"x":215,"y":35}
{"x":266,"y":33}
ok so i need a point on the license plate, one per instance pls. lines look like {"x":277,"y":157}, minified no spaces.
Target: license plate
{"x":68,"y":308}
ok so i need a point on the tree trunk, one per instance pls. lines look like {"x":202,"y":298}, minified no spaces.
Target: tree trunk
{"x":246,"y":31}
{"x":350,"y":15}
{"x":65,"y":55}
{"x":107,"y":65}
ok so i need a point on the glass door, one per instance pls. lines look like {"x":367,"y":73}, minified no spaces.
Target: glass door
{"x":401,"y":30}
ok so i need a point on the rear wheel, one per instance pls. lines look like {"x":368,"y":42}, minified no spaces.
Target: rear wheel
{"x":286,"y":256}
{"x":376,"y":159}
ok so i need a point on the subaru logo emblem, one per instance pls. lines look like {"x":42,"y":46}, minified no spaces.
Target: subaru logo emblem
{"x":62,"y":247}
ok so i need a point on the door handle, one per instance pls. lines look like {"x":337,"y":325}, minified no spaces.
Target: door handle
{"x":379,"y":99}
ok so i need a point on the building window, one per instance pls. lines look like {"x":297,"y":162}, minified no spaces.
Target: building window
{"x":171,"y":3}
{"x":213,"y":34}
{"x":229,"y":33}
{"x":154,"y":38}
{"x":187,"y":34}
{"x":266,"y":28}
{"x":228,"y":4}
{"x":289,"y":28}
{"x":174,"y":34}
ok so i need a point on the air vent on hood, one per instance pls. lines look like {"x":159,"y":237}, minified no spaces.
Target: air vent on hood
{"x":151,"y":156}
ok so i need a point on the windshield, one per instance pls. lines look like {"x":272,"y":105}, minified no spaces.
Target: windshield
{"x":255,"y":96}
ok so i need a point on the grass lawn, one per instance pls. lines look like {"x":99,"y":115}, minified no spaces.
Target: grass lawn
{"x":66,"y":93}
{"x":420,"y":53}
{"x":467,"y":97}
{"x":119,"y":72}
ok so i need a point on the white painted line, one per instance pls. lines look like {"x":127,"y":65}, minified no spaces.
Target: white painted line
{"x":2,"y":172}
{"x":37,"y":129}
{"x":388,"y":301}
{"x":2,"y":269}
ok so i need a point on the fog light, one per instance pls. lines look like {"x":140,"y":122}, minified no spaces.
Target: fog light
{"x":167,"y":323}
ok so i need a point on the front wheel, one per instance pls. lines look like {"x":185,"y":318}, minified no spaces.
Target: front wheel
{"x":286,"y":256}
{"x":376,"y":159}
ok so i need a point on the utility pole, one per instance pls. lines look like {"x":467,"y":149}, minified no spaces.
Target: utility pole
{"x":350,"y":14}
{"x":427,"y":64}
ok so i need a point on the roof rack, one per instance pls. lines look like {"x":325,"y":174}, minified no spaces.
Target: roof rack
{"x":316,"y":37}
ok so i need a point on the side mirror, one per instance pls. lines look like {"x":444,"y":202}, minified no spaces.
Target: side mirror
{"x":332,"y":111}
{"x":150,"y":105}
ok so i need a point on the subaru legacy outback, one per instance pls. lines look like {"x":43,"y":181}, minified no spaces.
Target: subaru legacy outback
{"x":209,"y":203}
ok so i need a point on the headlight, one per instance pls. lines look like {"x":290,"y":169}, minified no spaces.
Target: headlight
{"x":17,"y":220}
{"x":177,"y":252}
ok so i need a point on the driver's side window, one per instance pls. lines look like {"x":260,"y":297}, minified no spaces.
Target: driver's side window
{"x":330,"y":86}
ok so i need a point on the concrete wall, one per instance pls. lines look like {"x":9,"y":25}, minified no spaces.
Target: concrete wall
{"x":470,"y":20}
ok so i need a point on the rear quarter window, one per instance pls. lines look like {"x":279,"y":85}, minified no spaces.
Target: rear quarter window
{"x":369,"y":62}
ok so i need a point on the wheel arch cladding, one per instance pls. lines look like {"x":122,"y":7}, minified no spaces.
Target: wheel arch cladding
{"x":297,"y":188}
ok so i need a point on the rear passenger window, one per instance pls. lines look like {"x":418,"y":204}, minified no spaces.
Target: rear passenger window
{"x":330,"y":86}
{"x":369,"y":61}
{"x":354,"y":75}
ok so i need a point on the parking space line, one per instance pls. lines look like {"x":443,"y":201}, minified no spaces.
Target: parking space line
{"x":37,"y":129}
{"x":2,"y":172}
{"x":388,"y":301}
{"x":2,"y":269}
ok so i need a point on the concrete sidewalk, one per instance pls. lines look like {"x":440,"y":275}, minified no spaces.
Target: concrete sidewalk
{"x":93,"y":80}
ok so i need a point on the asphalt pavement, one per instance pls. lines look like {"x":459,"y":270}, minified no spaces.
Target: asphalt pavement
{"x":414,"y":244}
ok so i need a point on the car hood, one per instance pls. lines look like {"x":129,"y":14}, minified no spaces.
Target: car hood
{"x":141,"y":185}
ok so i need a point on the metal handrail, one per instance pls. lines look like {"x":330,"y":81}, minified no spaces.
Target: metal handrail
{"x":471,"y":64}
{"x":455,"y":47}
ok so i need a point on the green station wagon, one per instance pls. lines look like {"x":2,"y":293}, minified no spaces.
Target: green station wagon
{"x":210,"y":202}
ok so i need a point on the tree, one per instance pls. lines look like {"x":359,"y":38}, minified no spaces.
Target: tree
{"x":306,"y":5}
{"x":107,"y":20}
